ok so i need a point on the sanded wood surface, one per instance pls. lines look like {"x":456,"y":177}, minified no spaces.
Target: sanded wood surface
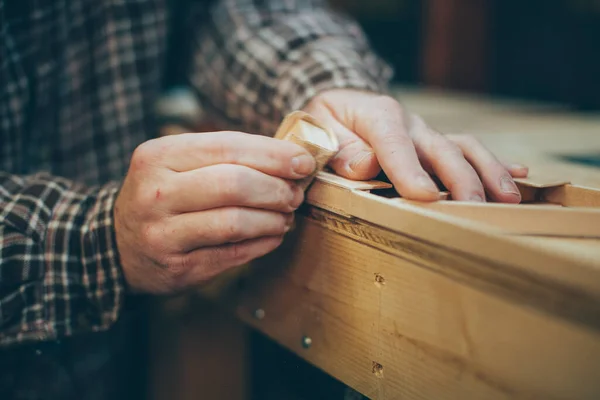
{"x":535,"y":219}
{"x":413,"y":305}
{"x":534,"y":134}
{"x":397,"y":325}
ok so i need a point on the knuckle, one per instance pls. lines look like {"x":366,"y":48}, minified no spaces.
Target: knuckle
{"x":467,"y":140}
{"x":440,"y":145}
{"x":231,"y":182}
{"x":393,"y":139}
{"x":236,"y":254}
{"x":144,"y":196}
{"x":386,"y":102}
{"x":153,"y":236}
{"x":233,"y":135}
{"x":231,"y":228}
{"x":283,"y":195}
{"x":221,"y":144}
{"x":147,"y":152}
{"x":178,"y":266}
{"x":220,"y":149}
{"x":176,"y":269}
{"x":350,"y":141}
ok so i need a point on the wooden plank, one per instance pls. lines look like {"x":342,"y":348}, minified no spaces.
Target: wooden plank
{"x":558,"y":192}
{"x":337,"y":180}
{"x":461,"y":235}
{"x":540,"y":183}
{"x":583,"y":247}
{"x":398,"y":323}
{"x":573,"y":196}
{"x":541,"y":220}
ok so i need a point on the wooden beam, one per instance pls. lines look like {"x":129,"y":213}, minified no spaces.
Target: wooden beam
{"x":395,"y":317}
{"x":398,"y":301}
{"x":573,"y":196}
{"x":532,"y":220}
{"x":458,"y":234}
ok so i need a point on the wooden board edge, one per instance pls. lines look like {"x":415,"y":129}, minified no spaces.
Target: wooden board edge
{"x":572,"y":196}
{"x":461,"y":235}
{"x":530,"y":219}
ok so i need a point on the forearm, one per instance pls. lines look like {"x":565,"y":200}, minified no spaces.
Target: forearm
{"x":59,"y":272}
{"x":257,"y":61}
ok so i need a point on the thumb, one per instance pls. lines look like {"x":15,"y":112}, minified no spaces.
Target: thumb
{"x":355,"y":160}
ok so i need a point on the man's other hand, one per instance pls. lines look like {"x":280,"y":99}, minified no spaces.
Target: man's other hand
{"x":376,"y":132}
{"x":194,"y":205}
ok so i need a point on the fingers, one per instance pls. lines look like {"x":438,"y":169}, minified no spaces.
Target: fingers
{"x":355,"y":159}
{"x":203,"y":264}
{"x":215,"y":191}
{"x":464,"y":166}
{"x":448,"y":163}
{"x":517,"y":170}
{"x":225,"y":185}
{"x":191,"y":231}
{"x":374,"y":129}
{"x":496,"y":178}
{"x":186,"y":152}
{"x":384,"y":128}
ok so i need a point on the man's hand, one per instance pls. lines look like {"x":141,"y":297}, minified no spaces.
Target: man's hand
{"x":194,"y":205}
{"x":375,"y":133}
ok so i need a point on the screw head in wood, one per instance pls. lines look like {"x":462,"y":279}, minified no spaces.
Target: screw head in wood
{"x":259,"y":313}
{"x":306,"y":342}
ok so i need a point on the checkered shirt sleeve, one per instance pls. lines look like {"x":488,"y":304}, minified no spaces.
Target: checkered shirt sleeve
{"x":59,"y":271}
{"x":256,"y":61}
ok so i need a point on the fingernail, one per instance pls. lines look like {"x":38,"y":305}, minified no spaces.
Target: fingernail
{"x":304,"y":164}
{"x":517,"y":166}
{"x":427,"y":184}
{"x":477,"y":198}
{"x":289,"y":222}
{"x":298,"y":196}
{"x":359,"y":158}
{"x":508,"y":186}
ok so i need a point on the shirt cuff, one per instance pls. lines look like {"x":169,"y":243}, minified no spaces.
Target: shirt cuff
{"x":76,"y":284}
{"x":102,"y":283}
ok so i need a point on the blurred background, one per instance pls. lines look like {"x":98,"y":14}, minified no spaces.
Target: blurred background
{"x":542,"y":50}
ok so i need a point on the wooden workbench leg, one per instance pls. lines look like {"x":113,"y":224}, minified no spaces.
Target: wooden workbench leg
{"x":197,"y":351}
{"x":455,"y":43}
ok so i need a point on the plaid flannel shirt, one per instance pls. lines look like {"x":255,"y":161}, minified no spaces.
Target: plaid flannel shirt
{"x":78,"y":83}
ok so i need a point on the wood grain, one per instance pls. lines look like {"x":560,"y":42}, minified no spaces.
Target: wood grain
{"x":487,"y":242}
{"x":393,"y":327}
{"x":533,"y":219}
{"x":573,"y":196}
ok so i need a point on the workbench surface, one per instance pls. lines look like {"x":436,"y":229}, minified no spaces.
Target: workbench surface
{"x":535,"y":134}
